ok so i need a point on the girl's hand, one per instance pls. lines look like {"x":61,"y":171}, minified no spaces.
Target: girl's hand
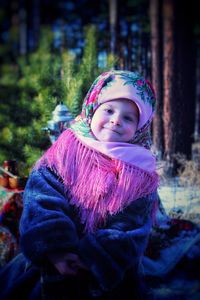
{"x":68,"y":264}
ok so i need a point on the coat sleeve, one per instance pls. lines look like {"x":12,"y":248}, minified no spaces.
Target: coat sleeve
{"x":46,"y":225}
{"x":113,"y":250}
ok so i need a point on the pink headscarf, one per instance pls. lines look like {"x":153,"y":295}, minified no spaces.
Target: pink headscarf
{"x":120,"y":85}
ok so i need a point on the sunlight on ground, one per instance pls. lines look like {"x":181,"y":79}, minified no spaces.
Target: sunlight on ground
{"x":182,"y":202}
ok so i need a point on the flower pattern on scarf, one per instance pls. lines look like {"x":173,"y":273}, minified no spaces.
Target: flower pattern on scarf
{"x":81,"y":123}
{"x":145,"y":90}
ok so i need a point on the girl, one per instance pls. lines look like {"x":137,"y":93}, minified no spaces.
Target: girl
{"x":89,"y":201}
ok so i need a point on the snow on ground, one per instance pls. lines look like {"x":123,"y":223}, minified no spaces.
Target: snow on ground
{"x":183,"y":202}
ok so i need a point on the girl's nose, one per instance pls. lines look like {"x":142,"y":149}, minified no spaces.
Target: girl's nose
{"x":115,"y":120}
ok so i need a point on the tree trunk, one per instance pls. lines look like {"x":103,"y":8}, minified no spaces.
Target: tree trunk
{"x":129,"y":46}
{"x":14,"y":27}
{"x":22,"y":28}
{"x":185,"y":81}
{"x":179,"y":80}
{"x":169,"y":80}
{"x":197,"y":109}
{"x":113,"y":26}
{"x":157,"y":75}
{"x":36,"y":22}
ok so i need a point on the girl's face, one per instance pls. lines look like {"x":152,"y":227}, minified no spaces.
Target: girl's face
{"x":115,"y":121}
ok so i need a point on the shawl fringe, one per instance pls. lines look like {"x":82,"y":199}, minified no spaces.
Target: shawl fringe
{"x":98,"y":185}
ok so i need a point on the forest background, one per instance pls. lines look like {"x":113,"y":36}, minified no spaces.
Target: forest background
{"x":51,"y":51}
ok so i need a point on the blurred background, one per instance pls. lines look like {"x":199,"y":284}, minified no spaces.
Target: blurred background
{"x":51,"y":51}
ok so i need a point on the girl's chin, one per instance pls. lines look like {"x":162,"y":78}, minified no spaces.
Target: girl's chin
{"x":111,"y":139}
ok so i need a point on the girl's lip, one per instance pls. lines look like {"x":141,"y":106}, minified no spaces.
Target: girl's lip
{"x":112,"y":129}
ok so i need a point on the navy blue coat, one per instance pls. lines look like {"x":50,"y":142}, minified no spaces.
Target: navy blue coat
{"x":50,"y":225}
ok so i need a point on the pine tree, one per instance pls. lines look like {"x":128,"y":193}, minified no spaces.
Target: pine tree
{"x":38,"y":88}
{"x":38,"y":82}
{"x":79,"y":78}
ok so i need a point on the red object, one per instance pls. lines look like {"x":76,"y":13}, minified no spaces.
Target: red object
{"x":11,"y":166}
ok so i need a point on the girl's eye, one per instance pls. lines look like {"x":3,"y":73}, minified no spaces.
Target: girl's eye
{"x":109,"y":111}
{"x":127,"y":118}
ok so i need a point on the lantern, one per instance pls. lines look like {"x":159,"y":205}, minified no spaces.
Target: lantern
{"x":61,"y":118}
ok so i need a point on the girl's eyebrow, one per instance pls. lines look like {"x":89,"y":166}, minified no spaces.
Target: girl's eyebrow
{"x":130,"y":113}
{"x":107,"y":104}
{"x":126,"y":112}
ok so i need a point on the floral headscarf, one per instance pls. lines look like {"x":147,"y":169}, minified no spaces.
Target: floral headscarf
{"x":117,"y":84}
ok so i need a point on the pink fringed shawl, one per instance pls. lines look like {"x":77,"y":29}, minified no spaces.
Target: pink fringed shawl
{"x":98,"y":185}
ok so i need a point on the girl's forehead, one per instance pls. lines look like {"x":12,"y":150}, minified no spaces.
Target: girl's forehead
{"x":122,"y":104}
{"x":122,"y":101}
